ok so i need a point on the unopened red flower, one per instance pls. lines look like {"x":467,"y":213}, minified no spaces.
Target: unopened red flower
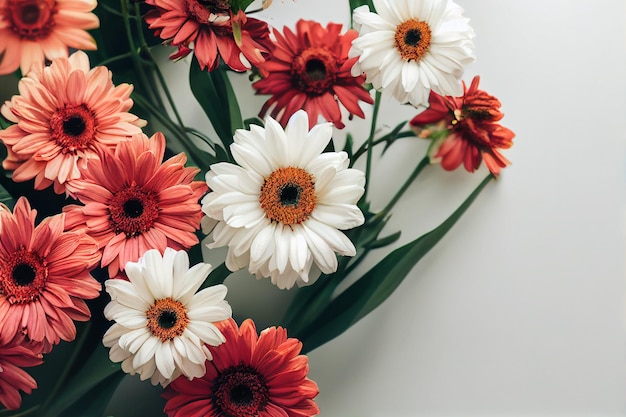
{"x":133,"y":202}
{"x":250,"y":375}
{"x":34,"y":30}
{"x":212,"y":31}
{"x":475,"y":134}
{"x":310,"y":70}
{"x":65,"y":115}
{"x":44,"y":277}
{"x":13,"y":378}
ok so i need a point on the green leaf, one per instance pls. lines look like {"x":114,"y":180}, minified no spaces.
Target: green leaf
{"x":237,"y":5}
{"x":96,"y":400}
{"x":387,"y":240}
{"x":95,"y":370}
{"x":378,"y":283}
{"x":356,"y":3}
{"x":216,"y":96}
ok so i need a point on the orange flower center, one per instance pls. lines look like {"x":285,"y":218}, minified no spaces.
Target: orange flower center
{"x":412,"y":39}
{"x":73,"y":128}
{"x":31,"y":19}
{"x":23,"y":276}
{"x":288,"y":195}
{"x":313,"y":71}
{"x":134,"y":211}
{"x":167,"y":319}
{"x":239,"y":391}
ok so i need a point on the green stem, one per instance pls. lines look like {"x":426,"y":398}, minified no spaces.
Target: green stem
{"x":364,"y":147}
{"x":418,"y":169}
{"x":173,"y":128}
{"x":370,"y":140}
{"x":114,"y":58}
{"x":134,"y":53}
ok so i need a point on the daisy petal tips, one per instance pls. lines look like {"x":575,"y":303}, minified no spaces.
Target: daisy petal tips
{"x":281,"y":210}
{"x":410,"y":47}
{"x":162,"y":325}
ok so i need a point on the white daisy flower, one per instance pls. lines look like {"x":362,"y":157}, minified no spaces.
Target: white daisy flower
{"x":280,"y":211}
{"x":410,"y":47}
{"x":162,"y":324}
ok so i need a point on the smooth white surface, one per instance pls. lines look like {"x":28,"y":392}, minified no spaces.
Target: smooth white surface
{"x":519,"y":311}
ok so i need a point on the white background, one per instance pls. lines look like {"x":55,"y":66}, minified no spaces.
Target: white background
{"x":519,"y":310}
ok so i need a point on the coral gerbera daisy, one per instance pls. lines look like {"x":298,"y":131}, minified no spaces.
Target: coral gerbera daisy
{"x":64,"y":116}
{"x":252,"y":375}
{"x":474,"y":132}
{"x":44,"y":277}
{"x":34,"y":30}
{"x":410,"y":47}
{"x":13,"y":378}
{"x":211,"y":30}
{"x":282,"y":209}
{"x":162,"y":324}
{"x":310,"y":70}
{"x":133,"y":202}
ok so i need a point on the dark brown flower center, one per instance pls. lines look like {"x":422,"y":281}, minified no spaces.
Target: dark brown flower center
{"x":134,"y":211}
{"x":73,"y":128}
{"x":288,"y":195}
{"x":31,"y":19}
{"x":240,"y":391}
{"x":23,"y":276}
{"x":412,"y":39}
{"x":167,"y":319}
{"x":201,"y":10}
{"x":313,"y":71}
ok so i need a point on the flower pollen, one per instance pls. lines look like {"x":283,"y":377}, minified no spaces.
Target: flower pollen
{"x":288,"y":195}
{"x":167,"y":319}
{"x":313,"y":71}
{"x":73,"y":128}
{"x":134,"y":211}
{"x":31,"y":19}
{"x":22,"y":277}
{"x":412,"y":39}
{"x":240,"y":391}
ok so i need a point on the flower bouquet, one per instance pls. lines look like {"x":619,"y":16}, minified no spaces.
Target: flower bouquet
{"x":113,"y":205}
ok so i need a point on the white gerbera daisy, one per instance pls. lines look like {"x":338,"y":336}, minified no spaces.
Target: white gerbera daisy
{"x":162,"y":324}
{"x":280,"y":211}
{"x":410,"y":47}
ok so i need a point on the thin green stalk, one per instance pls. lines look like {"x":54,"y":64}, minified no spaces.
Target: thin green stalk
{"x":418,"y":169}
{"x":143,"y":78}
{"x":175,"y":129}
{"x":114,"y":58}
{"x":363,"y":148}
{"x":370,"y":140}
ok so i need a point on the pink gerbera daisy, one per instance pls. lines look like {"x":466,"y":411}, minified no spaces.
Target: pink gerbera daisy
{"x":13,"y":378}
{"x":44,"y":277}
{"x":250,"y":375}
{"x":134,"y":203}
{"x":211,"y":30}
{"x":33,"y":30}
{"x":64,"y":116}
{"x":310,"y":70}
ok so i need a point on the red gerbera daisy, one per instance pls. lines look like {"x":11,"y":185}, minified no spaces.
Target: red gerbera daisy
{"x":44,"y":277}
{"x":310,"y":70}
{"x":13,"y":378}
{"x":474,"y":132}
{"x":134,"y":203}
{"x":64,"y":116}
{"x":250,"y":375}
{"x":32,"y":30}
{"x":212,"y":31}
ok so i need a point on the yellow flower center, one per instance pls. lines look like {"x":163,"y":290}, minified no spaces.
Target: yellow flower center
{"x":288,"y":195}
{"x":412,"y":39}
{"x":167,"y":319}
